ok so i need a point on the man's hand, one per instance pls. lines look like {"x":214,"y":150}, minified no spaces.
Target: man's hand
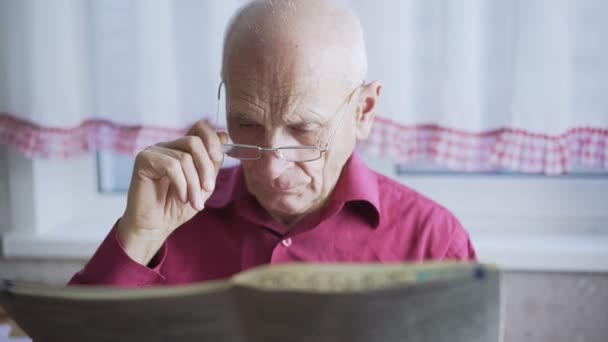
{"x":171,"y":182}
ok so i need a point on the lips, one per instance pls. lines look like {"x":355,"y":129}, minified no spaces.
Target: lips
{"x":282,"y":190}
{"x":286,"y":184}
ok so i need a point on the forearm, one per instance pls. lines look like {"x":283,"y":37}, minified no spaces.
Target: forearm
{"x":112,"y":266}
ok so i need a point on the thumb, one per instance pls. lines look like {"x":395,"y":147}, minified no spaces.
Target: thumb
{"x":223,"y":137}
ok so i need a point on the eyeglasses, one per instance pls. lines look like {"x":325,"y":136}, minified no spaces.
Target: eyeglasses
{"x":305,"y":153}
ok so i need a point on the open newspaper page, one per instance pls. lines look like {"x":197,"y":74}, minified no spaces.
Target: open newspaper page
{"x":424,"y":302}
{"x":297,"y":302}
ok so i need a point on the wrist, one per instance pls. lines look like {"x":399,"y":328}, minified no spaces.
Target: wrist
{"x":139,"y":244}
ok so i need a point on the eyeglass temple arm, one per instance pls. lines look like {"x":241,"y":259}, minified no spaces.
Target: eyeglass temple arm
{"x":331,"y":137}
{"x":217,"y":110}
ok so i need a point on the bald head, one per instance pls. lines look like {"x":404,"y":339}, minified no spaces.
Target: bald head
{"x":316,"y":36}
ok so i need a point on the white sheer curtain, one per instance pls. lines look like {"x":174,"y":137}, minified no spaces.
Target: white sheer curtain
{"x":473,"y":84}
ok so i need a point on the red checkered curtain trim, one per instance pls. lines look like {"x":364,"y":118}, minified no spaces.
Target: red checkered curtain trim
{"x":489,"y":151}
{"x":35,"y":141}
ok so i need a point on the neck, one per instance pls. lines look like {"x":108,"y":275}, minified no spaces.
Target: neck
{"x":291,"y":220}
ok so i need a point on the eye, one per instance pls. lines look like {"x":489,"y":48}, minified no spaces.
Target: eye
{"x":248,"y":125}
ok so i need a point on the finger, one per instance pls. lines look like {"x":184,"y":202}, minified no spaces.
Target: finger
{"x":189,"y":171}
{"x":211,"y":139}
{"x":223,"y":136}
{"x":155,"y":166}
{"x":204,"y":166}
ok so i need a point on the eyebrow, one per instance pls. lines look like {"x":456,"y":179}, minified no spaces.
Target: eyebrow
{"x":318,"y":115}
{"x":316,"y":118}
{"x":240,"y":115}
{"x":311,"y":117}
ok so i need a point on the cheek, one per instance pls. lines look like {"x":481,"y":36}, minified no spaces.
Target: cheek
{"x":345,"y":142}
{"x":247,"y":166}
{"x":318,"y":173}
{"x":334,"y":162}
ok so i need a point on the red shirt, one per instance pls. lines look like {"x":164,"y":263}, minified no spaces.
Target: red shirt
{"x":369,"y":218}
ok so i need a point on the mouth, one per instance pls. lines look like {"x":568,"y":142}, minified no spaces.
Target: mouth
{"x":282,"y":190}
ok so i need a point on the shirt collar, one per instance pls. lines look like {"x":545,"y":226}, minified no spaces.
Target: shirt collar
{"x":356,"y":189}
{"x":230,"y":187}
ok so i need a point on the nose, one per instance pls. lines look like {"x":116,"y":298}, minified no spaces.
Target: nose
{"x":271,"y":165}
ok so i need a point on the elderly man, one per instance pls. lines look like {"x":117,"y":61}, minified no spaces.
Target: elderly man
{"x":297,"y":102}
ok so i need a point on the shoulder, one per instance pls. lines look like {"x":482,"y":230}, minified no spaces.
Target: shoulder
{"x":399,"y":199}
{"x":432,"y":225}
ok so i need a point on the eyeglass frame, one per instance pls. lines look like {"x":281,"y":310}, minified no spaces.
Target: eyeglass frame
{"x":277,"y":150}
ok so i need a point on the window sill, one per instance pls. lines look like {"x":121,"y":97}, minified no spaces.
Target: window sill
{"x":66,"y":243}
{"x":518,"y":251}
{"x":556,"y":252}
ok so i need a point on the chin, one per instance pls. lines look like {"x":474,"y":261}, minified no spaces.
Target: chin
{"x":286,"y":204}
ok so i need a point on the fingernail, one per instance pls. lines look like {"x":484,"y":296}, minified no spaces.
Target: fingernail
{"x":199,"y":203}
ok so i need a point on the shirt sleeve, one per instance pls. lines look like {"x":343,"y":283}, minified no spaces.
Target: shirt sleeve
{"x":442,"y":237}
{"x":460,"y":246}
{"x":461,"y":251}
{"x":111,"y":266}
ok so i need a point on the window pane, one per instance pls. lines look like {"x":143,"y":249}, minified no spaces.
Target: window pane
{"x":114,"y":171}
{"x":429,"y":168}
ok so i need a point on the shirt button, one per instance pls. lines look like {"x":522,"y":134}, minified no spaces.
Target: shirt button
{"x":286,"y":242}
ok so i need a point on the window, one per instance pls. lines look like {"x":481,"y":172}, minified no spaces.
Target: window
{"x":63,"y":209}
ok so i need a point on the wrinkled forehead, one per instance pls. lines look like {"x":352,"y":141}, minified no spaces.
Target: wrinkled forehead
{"x":288,"y":63}
{"x":279,"y":104}
{"x":295,"y":65}
{"x":282,"y":89}
{"x":265,"y":81}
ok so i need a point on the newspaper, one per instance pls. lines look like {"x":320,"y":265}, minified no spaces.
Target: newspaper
{"x":288,"y":303}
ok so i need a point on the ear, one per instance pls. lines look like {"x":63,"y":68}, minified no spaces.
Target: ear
{"x":366,"y":107}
